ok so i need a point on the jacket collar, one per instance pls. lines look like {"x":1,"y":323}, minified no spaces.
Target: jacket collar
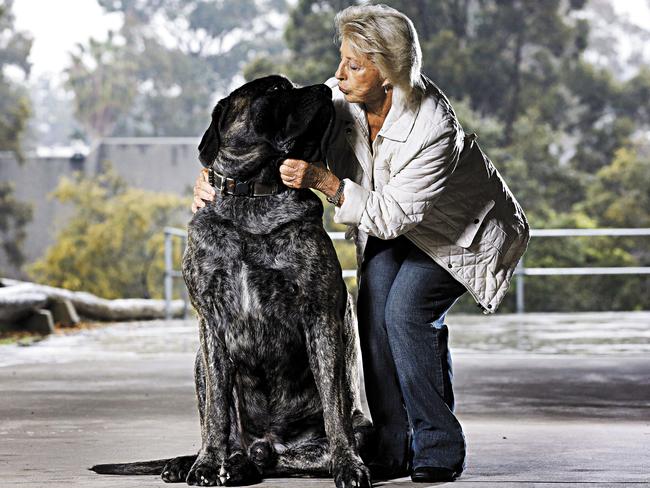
{"x":400,"y":119}
{"x":401,"y":116}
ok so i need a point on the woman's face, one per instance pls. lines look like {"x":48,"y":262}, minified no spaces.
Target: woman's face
{"x":359,"y":80}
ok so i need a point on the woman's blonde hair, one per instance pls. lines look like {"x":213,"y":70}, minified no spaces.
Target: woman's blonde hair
{"x":387,"y":37}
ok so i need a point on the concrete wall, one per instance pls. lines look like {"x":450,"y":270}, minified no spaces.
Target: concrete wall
{"x":156,"y":164}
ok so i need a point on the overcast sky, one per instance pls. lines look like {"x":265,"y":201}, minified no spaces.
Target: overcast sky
{"x":58,"y":25}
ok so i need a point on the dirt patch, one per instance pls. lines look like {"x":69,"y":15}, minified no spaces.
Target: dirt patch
{"x":25,"y":338}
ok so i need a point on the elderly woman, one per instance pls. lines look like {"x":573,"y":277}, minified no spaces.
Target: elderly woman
{"x":431,"y":218}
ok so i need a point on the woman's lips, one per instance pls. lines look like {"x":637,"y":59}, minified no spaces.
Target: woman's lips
{"x":342,"y":90}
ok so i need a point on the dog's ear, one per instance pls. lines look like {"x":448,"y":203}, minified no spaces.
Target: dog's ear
{"x":285,"y":138}
{"x":291,"y":139}
{"x":211,"y":140}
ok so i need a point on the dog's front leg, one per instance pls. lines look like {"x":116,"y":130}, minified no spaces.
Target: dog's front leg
{"x":215,"y":427}
{"x":326,"y":349}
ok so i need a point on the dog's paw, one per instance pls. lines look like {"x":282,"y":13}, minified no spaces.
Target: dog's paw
{"x":349,"y":471}
{"x":364,"y":436}
{"x":262,"y":453}
{"x":177,"y":469}
{"x":239,"y":470}
{"x":206,"y":471}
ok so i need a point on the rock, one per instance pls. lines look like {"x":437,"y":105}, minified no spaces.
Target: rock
{"x":18,"y":306}
{"x":64,"y":313}
{"x":40,"y":322}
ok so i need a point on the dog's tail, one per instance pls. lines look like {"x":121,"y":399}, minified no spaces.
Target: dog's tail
{"x":141,"y":467}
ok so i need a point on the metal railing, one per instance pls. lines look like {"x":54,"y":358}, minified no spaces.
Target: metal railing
{"x":170,"y":272}
{"x":520,"y":272}
{"x":340,"y":236}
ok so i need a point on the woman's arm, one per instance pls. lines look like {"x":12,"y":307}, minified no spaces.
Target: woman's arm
{"x":296,"y":173}
{"x":413,"y":188}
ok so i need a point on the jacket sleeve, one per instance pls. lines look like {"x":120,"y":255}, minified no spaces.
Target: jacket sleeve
{"x":411,"y":190}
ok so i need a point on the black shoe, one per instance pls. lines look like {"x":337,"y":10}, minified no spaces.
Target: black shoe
{"x":430,"y":475}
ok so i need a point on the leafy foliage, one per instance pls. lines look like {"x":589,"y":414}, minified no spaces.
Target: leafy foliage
{"x":14,"y":113}
{"x":113,"y":245}
{"x":569,"y":136}
{"x":619,"y":196}
{"x":101,"y":75}
{"x":557,"y":127}
{"x":161,"y":74}
{"x":14,"y":102}
{"x":14,"y":216}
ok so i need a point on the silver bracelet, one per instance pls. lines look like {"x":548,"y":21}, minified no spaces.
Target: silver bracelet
{"x":334,"y":200}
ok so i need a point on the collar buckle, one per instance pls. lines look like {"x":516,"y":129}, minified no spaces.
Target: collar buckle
{"x":242,"y":189}
{"x":220,"y":185}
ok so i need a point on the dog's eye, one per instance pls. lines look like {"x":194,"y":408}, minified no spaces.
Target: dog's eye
{"x":273,"y":88}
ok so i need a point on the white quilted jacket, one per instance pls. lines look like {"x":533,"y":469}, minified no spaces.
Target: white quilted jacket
{"x":424,"y":178}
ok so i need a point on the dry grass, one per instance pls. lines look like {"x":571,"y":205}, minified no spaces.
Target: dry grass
{"x":24,"y":337}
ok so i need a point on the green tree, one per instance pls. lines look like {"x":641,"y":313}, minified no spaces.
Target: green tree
{"x":553,"y":123}
{"x":14,"y":113}
{"x":312,"y":55}
{"x":14,"y":101}
{"x":113,"y":245}
{"x":619,"y":196}
{"x":160,"y":75}
{"x":102,"y":77}
{"x":14,"y":216}
{"x":310,"y":38}
{"x":578,"y":293}
{"x":634,"y":90}
{"x":600,"y":117}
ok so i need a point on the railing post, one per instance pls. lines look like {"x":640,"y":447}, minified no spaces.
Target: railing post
{"x":519,"y":276}
{"x":186,"y":298}
{"x":168,"y":275}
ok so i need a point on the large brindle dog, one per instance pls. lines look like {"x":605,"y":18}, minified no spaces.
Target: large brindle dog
{"x":276,"y":369}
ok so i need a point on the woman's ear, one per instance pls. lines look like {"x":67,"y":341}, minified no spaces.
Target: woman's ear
{"x":387,"y":85}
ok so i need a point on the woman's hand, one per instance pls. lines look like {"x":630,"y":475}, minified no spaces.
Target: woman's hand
{"x":296,"y":173}
{"x":202,"y":191}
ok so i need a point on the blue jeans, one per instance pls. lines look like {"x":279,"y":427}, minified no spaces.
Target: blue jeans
{"x":403,"y":298}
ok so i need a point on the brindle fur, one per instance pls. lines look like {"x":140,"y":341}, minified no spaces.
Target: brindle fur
{"x":276,"y":372}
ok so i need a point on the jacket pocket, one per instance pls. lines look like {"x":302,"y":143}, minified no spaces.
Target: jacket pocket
{"x":463,"y":229}
{"x":516,"y":246}
{"x":471,"y":227}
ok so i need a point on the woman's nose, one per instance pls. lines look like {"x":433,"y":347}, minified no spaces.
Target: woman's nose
{"x":339,"y":75}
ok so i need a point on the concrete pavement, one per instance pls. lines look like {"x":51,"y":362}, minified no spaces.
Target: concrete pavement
{"x":531,"y":419}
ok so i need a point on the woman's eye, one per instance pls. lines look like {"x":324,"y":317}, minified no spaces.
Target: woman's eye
{"x":354,"y":67}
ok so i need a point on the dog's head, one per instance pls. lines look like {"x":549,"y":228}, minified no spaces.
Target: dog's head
{"x":263,"y":122}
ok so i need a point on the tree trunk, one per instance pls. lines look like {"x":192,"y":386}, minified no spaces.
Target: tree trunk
{"x":513,"y":109}
{"x":19,"y":299}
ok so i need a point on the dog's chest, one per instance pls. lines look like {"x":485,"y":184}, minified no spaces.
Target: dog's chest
{"x":265,"y":321}
{"x":248,"y":292}
{"x":262,"y":289}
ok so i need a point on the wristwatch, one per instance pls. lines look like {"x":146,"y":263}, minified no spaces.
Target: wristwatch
{"x":334,"y":200}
